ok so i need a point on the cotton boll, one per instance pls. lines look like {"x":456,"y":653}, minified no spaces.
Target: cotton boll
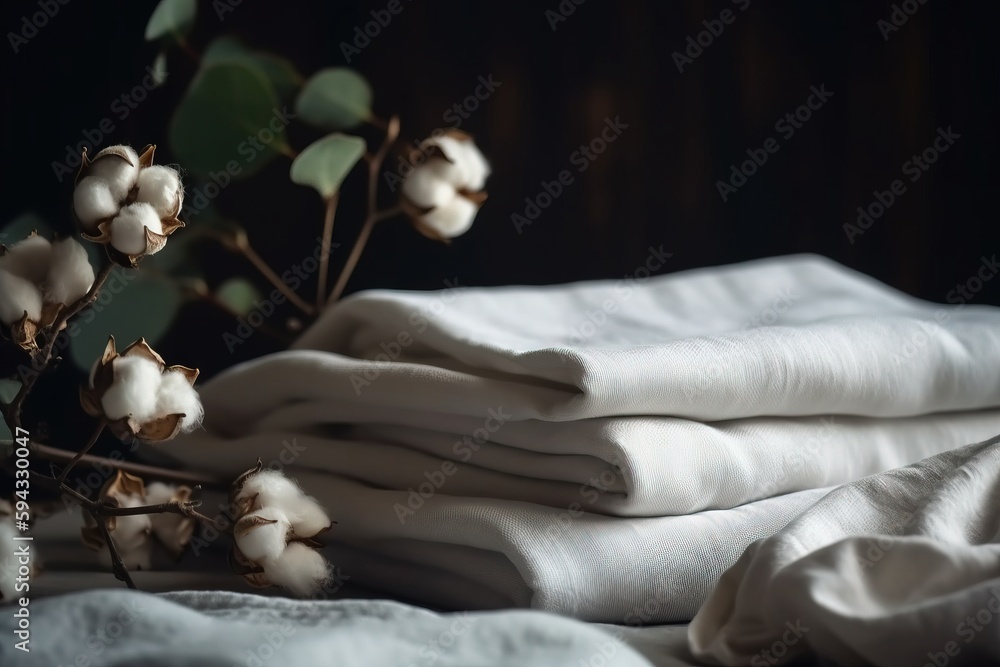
{"x":128,"y":230}
{"x":177,"y":396}
{"x":300,"y":569}
{"x":428,"y":184}
{"x":262,"y":535}
{"x":272,"y":489}
{"x":453,"y":219}
{"x":133,"y":391}
{"x":18,"y":296}
{"x":307,"y":517}
{"x":475,"y":166}
{"x":93,"y":202}
{"x":70,"y":273}
{"x":28,"y":259}
{"x":116,"y":173}
{"x":160,"y":187}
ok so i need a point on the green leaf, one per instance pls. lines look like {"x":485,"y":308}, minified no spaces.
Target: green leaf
{"x":8,"y":390}
{"x":132,"y":305}
{"x":325,"y":163}
{"x":279,"y":71}
{"x":19,"y":228}
{"x":228,"y":115}
{"x":238,"y":294}
{"x":337,"y":98}
{"x":171,"y":17}
{"x":159,"y":70}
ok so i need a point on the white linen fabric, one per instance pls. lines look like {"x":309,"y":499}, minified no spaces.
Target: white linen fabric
{"x":900,"y":568}
{"x":460,"y":426}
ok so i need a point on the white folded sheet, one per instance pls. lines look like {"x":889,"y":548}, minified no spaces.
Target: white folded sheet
{"x":497,"y":412}
{"x":900,"y":568}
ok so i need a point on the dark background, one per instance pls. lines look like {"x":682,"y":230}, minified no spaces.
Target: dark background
{"x":655,"y":185}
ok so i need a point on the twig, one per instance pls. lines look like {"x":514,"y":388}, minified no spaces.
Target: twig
{"x":13,"y":414}
{"x":117,"y":564}
{"x":247,"y":250}
{"x":80,"y":454}
{"x":55,"y":454}
{"x":324,"y":258}
{"x":374,"y":167}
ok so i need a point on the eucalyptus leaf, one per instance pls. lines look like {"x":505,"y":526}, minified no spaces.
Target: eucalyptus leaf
{"x":19,"y":228}
{"x":238,"y":294}
{"x":159,"y":70}
{"x":279,"y":71}
{"x":337,"y":98}
{"x":8,"y":390}
{"x":325,"y":163}
{"x":171,"y":17}
{"x":229,"y":116}
{"x":132,"y":305}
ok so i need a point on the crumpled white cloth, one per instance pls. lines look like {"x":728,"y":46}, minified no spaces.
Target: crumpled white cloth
{"x":900,"y":568}
{"x":632,"y":400}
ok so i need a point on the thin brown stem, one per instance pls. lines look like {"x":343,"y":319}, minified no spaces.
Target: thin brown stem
{"x":55,"y":454}
{"x":42,"y":358}
{"x":188,"y":49}
{"x":82,"y":452}
{"x":324,"y":257}
{"x":274,"y":278}
{"x":117,"y":564}
{"x":374,"y":167}
{"x":184,"y":509}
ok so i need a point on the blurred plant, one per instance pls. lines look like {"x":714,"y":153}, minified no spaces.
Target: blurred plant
{"x":230,"y":123}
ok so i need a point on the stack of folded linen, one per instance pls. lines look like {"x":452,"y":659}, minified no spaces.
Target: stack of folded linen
{"x":604,"y":450}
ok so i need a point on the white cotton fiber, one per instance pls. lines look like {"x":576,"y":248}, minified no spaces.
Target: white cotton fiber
{"x":167,"y":525}
{"x":134,"y":389}
{"x":70,"y":273}
{"x":300,"y":569}
{"x":475,"y":166}
{"x":307,"y":517}
{"x":28,"y":259}
{"x":116,"y":173}
{"x":160,"y":187}
{"x":128,"y":229}
{"x":265,"y":541}
{"x":177,"y":396}
{"x":453,"y":219}
{"x":18,"y":296}
{"x":93,"y":202}
{"x":428,"y":185}
{"x":272,"y":489}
